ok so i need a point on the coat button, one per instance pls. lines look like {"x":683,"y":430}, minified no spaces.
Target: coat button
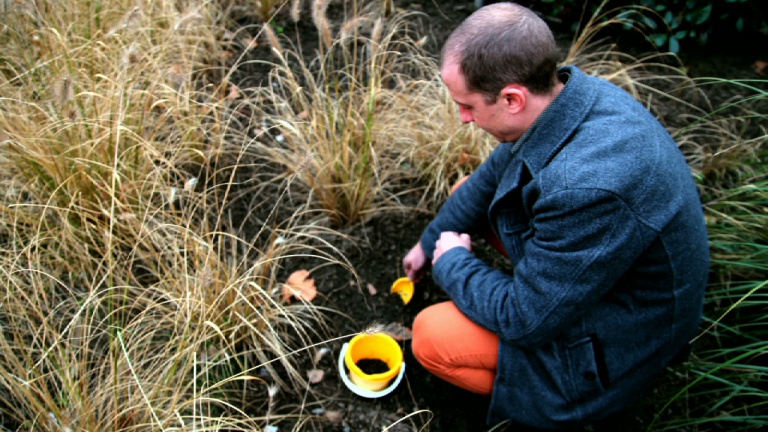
{"x":590,"y":376}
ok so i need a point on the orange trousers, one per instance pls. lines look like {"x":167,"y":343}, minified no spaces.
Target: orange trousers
{"x":454,"y":348}
{"x":451,"y":346}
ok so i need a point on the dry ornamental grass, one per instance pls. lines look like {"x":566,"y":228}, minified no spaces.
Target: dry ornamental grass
{"x":153,"y":207}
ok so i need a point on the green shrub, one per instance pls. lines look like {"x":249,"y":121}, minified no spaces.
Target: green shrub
{"x":668,"y":24}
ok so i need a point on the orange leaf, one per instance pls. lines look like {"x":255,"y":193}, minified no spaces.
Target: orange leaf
{"x":234,"y":93}
{"x":299,"y":285}
{"x":315,"y":375}
{"x":334,"y":416}
{"x":464,"y":158}
{"x":371,"y":289}
{"x":760,"y":67}
{"x":251,"y":43}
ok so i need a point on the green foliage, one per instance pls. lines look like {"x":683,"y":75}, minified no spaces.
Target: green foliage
{"x":727,"y":378}
{"x":680,"y":19}
{"x":668,"y":24}
{"x":727,"y":375}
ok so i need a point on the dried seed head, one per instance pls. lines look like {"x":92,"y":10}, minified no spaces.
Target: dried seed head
{"x":350,"y":27}
{"x":272,"y":39}
{"x":131,"y":55}
{"x":378,"y":27}
{"x":178,"y":74}
{"x":133,"y":18}
{"x":309,"y":156}
{"x":64,"y":90}
{"x":319,"y":9}
{"x":272,"y":390}
{"x":188,"y":19}
{"x":374,"y":328}
{"x":295,"y":10}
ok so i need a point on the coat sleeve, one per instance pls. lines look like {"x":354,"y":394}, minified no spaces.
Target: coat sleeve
{"x":584,"y":240}
{"x":467,"y":208}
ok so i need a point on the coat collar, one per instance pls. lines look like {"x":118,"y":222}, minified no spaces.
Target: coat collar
{"x":549,"y":133}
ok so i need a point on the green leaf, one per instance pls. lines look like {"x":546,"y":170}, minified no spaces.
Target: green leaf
{"x":704,"y":14}
{"x":680,"y":34}
{"x":740,"y":24}
{"x":669,"y":18}
{"x":674,"y":45}
{"x":659,"y":39}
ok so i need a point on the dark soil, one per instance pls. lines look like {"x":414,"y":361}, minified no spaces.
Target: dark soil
{"x":422,"y":401}
{"x":372,"y":366}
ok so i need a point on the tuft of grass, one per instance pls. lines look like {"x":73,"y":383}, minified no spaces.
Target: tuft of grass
{"x":726,"y":379}
{"x":364,"y":118}
{"x":132,"y":296}
{"x":336,"y":120}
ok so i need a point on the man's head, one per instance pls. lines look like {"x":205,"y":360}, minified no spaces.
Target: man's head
{"x":500,"y":66}
{"x":502,"y":44}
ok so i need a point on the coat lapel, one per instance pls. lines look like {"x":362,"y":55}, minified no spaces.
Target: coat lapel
{"x":550,"y":132}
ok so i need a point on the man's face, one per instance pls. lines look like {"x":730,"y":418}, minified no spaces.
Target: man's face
{"x":493,"y":118}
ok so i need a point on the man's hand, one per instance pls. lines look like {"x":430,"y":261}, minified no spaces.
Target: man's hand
{"x":449,"y":240}
{"x":415,"y":263}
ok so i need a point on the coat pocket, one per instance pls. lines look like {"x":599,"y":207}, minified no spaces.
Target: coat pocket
{"x":513,"y":234}
{"x":585,"y":367}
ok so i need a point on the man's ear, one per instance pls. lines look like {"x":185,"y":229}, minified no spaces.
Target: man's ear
{"x":514,"y":96}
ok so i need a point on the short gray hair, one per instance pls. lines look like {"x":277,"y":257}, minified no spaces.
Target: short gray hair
{"x":502,"y":44}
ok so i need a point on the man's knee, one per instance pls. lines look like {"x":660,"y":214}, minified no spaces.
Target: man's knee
{"x":422,"y":344}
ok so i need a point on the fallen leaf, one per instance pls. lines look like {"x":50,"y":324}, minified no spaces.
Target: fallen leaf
{"x":398,"y":331}
{"x":234,"y":93}
{"x":464,"y":158}
{"x":300,"y":286}
{"x":315,"y":375}
{"x":760,"y":67}
{"x":334,"y":416}
{"x":371,"y":289}
{"x":257,"y":131}
{"x":251,"y":43}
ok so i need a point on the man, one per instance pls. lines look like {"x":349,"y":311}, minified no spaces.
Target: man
{"x":598,"y":213}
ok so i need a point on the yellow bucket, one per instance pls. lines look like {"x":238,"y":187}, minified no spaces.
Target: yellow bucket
{"x":377,"y":346}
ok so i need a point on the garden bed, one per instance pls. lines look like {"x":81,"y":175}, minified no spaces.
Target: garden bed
{"x":423,"y":402}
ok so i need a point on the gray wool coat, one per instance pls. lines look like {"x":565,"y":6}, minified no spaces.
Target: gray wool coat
{"x":598,"y":211}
